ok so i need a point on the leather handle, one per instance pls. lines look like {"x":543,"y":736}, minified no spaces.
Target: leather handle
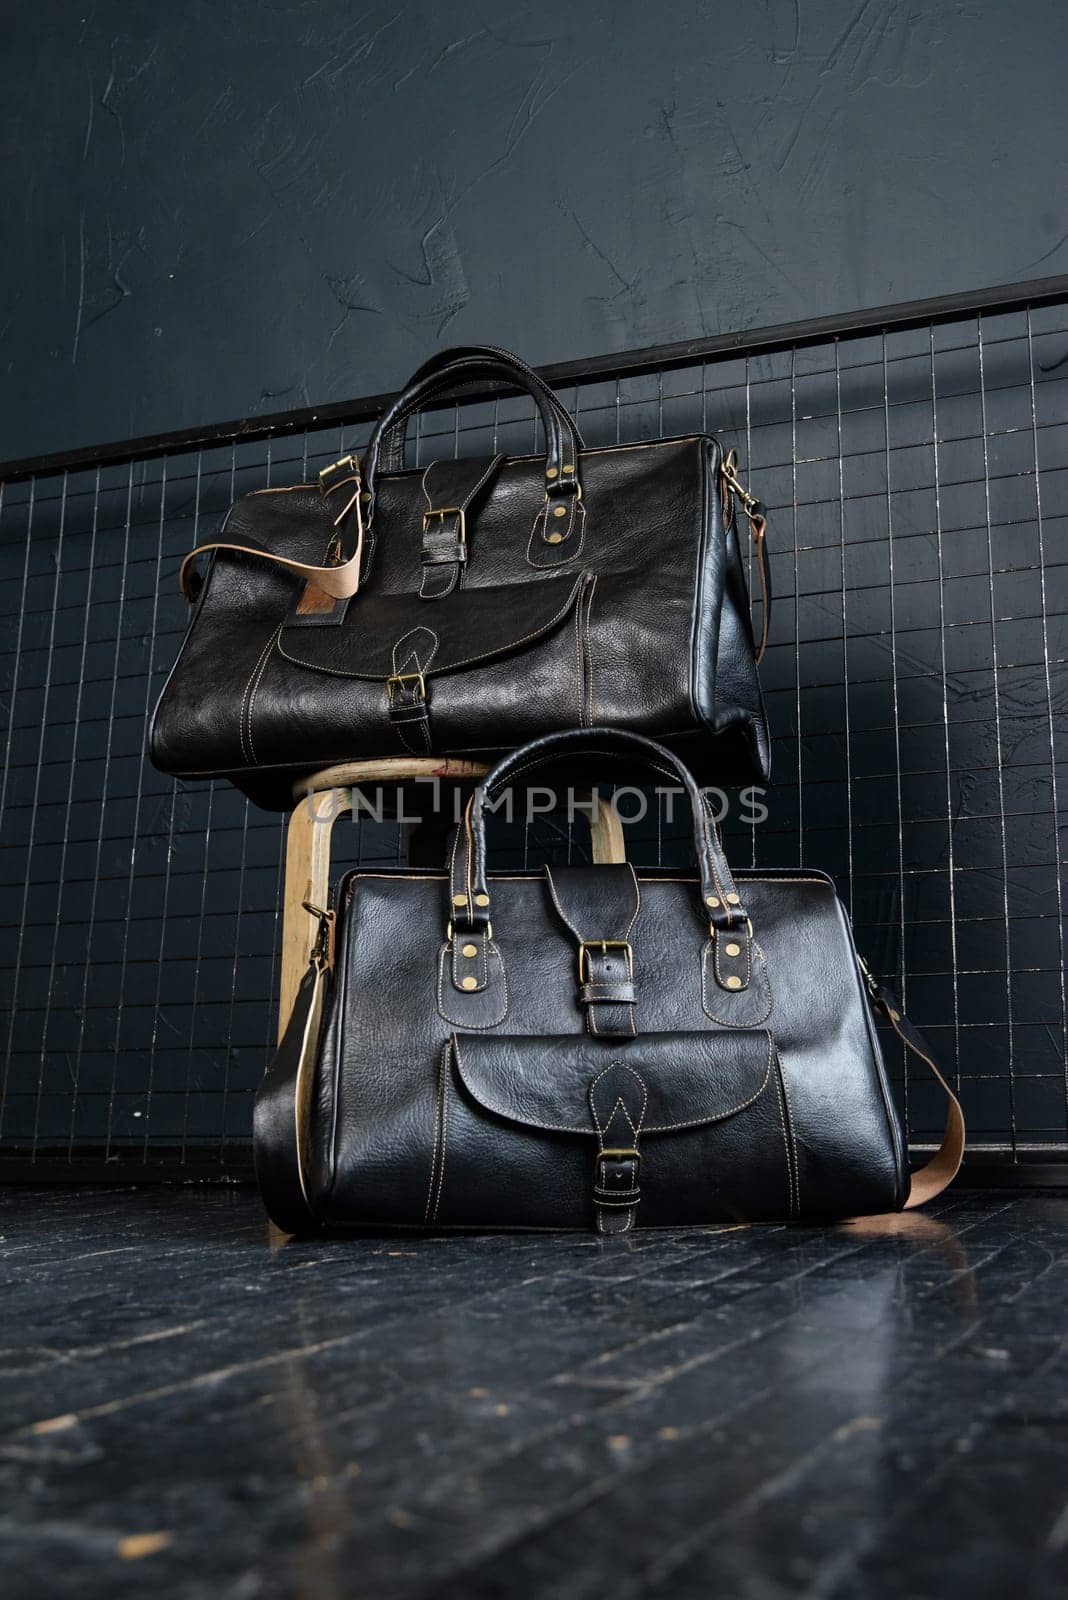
{"x":721,"y":901}
{"x":562,"y":440}
{"x":391,"y":454}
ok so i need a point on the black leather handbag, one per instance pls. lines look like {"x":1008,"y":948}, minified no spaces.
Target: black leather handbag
{"x":463,"y":609}
{"x":586,"y":1046}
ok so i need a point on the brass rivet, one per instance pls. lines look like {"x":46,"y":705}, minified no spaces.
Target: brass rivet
{"x":470,"y":983}
{"x":732,"y":983}
{"x":711,"y":899}
{"x":732,"y":950}
{"x":459,"y":899}
{"x":569,"y":469}
{"x":470,"y":950}
{"x":733,"y":899}
{"x":481,"y":899}
{"x":551,"y":472}
{"x":556,"y":538}
{"x":560,"y":511}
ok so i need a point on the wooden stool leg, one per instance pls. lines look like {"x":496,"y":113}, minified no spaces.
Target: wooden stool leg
{"x":606,"y":835}
{"x":307,"y":878}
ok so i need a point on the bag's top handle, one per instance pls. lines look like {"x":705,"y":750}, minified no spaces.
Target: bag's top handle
{"x":469,"y":895}
{"x":391,"y":454}
{"x":475,"y":363}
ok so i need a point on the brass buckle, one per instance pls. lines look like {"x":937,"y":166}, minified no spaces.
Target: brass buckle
{"x":604,"y":945}
{"x":400,"y":678}
{"x":350,"y":462}
{"x":441,"y":512}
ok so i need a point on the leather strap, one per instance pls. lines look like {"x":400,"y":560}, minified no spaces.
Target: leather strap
{"x":340,"y":581}
{"x":759,"y":524}
{"x":470,"y":899}
{"x":938,"y":1173}
{"x":450,"y":487}
{"x":280,"y":1117}
{"x":599,"y":907}
{"x":561,"y":436}
{"x":391,"y":451}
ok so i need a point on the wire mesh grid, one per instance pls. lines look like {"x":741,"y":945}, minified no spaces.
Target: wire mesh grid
{"x":916,"y":683}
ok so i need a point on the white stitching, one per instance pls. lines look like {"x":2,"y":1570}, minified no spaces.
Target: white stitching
{"x":593,"y":1100}
{"x":454,"y":666}
{"x":251,"y":690}
{"x":444,"y":1136}
{"x":761,"y":972}
{"x":462,"y":1022}
{"x":793,"y":1137}
{"x":589,"y":653}
{"x":437,"y":1131}
{"x":579,"y":510}
{"x":660,"y":1127}
{"x":791,"y":1212}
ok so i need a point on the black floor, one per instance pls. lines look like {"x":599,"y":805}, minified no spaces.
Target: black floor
{"x":190,"y":1408}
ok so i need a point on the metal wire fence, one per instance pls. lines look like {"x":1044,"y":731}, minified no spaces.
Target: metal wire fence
{"x":916,"y":477}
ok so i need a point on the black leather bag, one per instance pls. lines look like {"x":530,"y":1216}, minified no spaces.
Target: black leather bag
{"x":463,"y":609}
{"x":586,"y":1046}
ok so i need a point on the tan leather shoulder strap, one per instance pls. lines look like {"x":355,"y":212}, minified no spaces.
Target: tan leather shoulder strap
{"x":340,"y":581}
{"x":938,"y":1173}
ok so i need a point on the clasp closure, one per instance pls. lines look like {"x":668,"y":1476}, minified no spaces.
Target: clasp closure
{"x":603,"y":945}
{"x":754,"y":508}
{"x":322,"y":951}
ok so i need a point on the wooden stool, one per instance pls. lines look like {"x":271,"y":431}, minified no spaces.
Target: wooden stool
{"x":327,"y":795}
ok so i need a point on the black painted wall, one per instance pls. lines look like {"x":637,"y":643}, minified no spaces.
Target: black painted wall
{"x":217,"y":208}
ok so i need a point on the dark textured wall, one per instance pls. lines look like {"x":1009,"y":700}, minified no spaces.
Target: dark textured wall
{"x":214,"y":208}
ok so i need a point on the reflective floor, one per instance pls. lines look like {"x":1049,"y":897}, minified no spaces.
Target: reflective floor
{"x":189,"y":1407}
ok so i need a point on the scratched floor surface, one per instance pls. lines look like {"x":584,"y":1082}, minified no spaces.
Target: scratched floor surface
{"x":189,"y":1409}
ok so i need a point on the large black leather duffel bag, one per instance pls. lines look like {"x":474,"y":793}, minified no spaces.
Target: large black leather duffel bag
{"x":586,"y":1046}
{"x":463,"y":609}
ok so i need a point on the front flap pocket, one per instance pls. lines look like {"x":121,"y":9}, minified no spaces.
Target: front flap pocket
{"x":667,"y":1081}
{"x":384,"y":635}
{"x":665,"y":1128}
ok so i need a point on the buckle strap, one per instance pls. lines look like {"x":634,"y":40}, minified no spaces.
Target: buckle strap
{"x":450,"y":488}
{"x":606,"y":986}
{"x":618,"y":1099}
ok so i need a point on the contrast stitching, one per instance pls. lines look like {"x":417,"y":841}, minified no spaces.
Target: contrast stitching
{"x":672,"y":1127}
{"x":444,"y":1136}
{"x":731,"y":1022}
{"x":413,"y":649}
{"x":593,"y":1098}
{"x":454,"y":666}
{"x":579,"y":511}
{"x":461,"y":1022}
{"x":793,"y":1136}
{"x":589,"y":653}
{"x":786,"y":1151}
{"x":437,"y":1131}
{"x":250,"y":693}
{"x":748,"y":958}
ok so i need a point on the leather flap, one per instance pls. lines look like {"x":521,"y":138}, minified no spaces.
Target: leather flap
{"x":688,"y":1078}
{"x":468,"y":626}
